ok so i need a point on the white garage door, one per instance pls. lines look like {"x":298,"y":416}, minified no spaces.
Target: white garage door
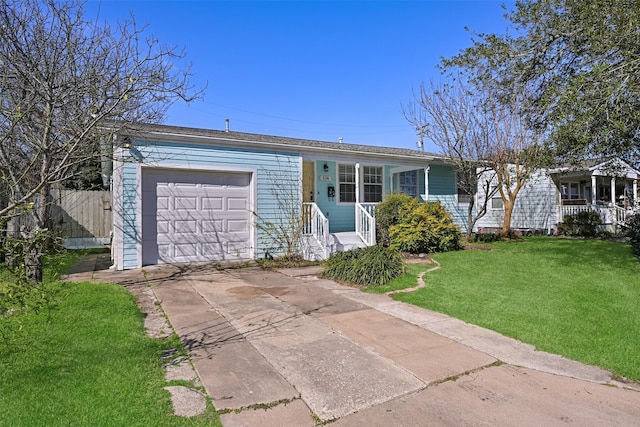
{"x":190,"y":216}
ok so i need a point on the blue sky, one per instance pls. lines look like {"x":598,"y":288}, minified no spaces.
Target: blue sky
{"x":316,"y":70}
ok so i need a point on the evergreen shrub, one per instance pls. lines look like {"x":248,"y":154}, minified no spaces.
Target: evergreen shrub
{"x":371,"y":266}
{"x":582,"y":224}
{"x":390,"y":212}
{"x":427,"y":228}
{"x":405,"y":224}
{"x":634,"y":234}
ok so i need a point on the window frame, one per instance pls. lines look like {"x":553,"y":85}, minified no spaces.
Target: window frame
{"x":408,"y":173}
{"x":496,"y":197}
{"x":460,"y":191}
{"x":342,"y":172}
{"x":367,"y":185}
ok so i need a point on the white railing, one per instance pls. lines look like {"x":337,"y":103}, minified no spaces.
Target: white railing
{"x":315,"y":224}
{"x":603,"y":211}
{"x":624,"y":215}
{"x":615,"y":215}
{"x":366,"y":222}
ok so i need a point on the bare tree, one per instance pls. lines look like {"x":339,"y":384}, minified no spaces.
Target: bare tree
{"x":451,"y":117}
{"x":62,"y":79}
{"x":516,"y":150}
{"x":283,"y":228}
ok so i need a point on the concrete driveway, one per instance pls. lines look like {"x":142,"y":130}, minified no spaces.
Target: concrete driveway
{"x":289,"y":349}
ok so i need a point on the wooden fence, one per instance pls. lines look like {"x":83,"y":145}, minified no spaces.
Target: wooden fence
{"x":83,"y":213}
{"x":75,"y":214}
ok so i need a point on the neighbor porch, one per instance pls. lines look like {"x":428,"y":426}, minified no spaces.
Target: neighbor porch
{"x":608,"y":188}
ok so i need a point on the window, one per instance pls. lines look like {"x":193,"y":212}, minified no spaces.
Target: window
{"x":496,"y":199}
{"x":347,"y":183}
{"x":570,"y":190}
{"x":372,"y":188}
{"x":408,"y":182}
{"x":463,"y":189}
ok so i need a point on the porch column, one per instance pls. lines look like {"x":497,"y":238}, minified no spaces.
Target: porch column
{"x":357,"y":183}
{"x":613,"y":192}
{"x":635,"y":194}
{"x":426,"y":184}
{"x":594,"y":189}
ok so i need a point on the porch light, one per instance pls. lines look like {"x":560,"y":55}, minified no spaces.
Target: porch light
{"x":325,"y":167}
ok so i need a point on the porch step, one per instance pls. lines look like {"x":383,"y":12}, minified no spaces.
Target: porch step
{"x":346,"y":241}
{"x":311,"y":250}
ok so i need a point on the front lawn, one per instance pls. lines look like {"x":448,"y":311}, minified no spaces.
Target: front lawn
{"x":577,"y":298}
{"x":86,"y":362}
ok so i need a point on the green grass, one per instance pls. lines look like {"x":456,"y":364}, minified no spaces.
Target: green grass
{"x":407,"y":280}
{"x":87,"y":362}
{"x":577,"y":298}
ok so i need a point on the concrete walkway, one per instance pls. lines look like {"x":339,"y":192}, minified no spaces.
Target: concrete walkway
{"x":286,"y":348}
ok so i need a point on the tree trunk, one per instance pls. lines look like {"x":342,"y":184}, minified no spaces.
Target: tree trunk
{"x":471,"y":221}
{"x":508,"y":211}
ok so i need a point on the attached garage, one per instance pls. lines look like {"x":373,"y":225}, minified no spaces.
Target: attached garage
{"x":184,"y":195}
{"x":195,"y":215}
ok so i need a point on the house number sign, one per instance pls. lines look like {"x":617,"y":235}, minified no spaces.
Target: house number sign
{"x":325,"y":178}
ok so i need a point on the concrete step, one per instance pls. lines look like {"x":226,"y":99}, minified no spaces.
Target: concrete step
{"x":311,"y":250}
{"x":345,"y":241}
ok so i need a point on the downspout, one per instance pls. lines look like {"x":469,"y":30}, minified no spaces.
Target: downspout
{"x":357,"y":183}
{"x":426,"y":184}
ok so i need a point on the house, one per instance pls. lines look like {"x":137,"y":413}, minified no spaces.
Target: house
{"x":609,"y":187}
{"x":184,"y":194}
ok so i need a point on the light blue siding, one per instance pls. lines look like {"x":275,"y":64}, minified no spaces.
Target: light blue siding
{"x":276,"y":173}
{"x":129,"y":203}
{"x":341,"y":216}
{"x":442,"y":187}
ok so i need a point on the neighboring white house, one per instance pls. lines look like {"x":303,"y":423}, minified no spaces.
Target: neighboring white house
{"x":608,"y":187}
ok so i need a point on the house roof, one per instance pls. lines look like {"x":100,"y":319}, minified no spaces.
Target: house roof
{"x":599,"y":167}
{"x":157,"y":132}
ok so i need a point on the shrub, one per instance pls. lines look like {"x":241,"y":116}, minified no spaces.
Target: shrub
{"x":391,"y":212}
{"x":510,"y":234}
{"x":372,"y":266}
{"x":427,"y":228}
{"x":486,"y":237}
{"x":582,"y":224}
{"x":634,"y":234}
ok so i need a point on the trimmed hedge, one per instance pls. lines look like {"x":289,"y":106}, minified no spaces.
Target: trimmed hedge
{"x":371,"y":266}
{"x":634,"y":234}
{"x":582,"y":224}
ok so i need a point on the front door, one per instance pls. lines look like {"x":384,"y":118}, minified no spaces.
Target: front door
{"x":308,"y":177}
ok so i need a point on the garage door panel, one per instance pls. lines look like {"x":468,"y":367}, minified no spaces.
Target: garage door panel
{"x":212,"y":203}
{"x":238,"y":181}
{"x":238,"y":248}
{"x":185,"y":227}
{"x":235,"y":226}
{"x":215,"y":250}
{"x":236,"y":204}
{"x":162,"y":202}
{"x":181,"y":202}
{"x":215,"y":226}
{"x":195,"y":216}
{"x":163,"y":227}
